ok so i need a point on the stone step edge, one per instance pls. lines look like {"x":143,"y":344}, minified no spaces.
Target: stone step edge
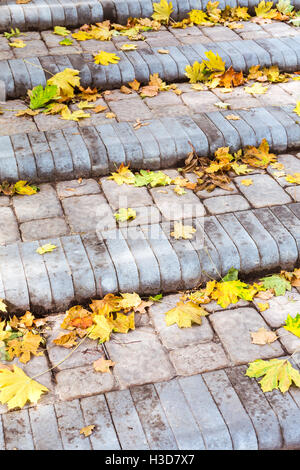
{"x":45,"y":14}
{"x":92,"y":151}
{"x":20,"y":75}
{"x":146,"y":259}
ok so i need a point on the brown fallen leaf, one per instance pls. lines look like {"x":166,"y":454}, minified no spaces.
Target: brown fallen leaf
{"x":265,"y":295}
{"x":27,"y":112}
{"x":263,"y":336}
{"x":124,"y":89}
{"x":103,"y":365}
{"x":110,"y":115}
{"x":67,"y":341}
{"x":87,"y":430}
{"x":142,"y":307}
{"x":232,"y":117}
{"x":99,"y":108}
{"x":135,"y":85}
{"x":163,"y":51}
{"x":138,"y":124}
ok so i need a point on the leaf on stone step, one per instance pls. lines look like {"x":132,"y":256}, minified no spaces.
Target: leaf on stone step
{"x":66,"y":42}
{"x":55,"y":108}
{"x":230,"y":292}
{"x":214,"y":63}
{"x":27,"y":112}
{"x":85,"y":105}
{"x":18,"y":43}
{"x":263,"y":306}
{"x":152,"y":178}
{"x":66,"y":81}
{"x":179,"y":190}
{"x":162,"y":11}
{"x":128,"y":47}
{"x":278,"y":283}
{"x":3,"y":306}
{"x":124,"y":89}
{"x":293,"y":324}
{"x":101,"y":329}
{"x":110,"y":115}
{"x":222,"y":105}
{"x":256,"y":89}
{"x":106,"y":58}
{"x":247,"y":182}
{"x":47,"y":248}
{"x":199,"y":17}
{"x":77,"y":317}
{"x":278,"y":373}
{"x":25,"y":346}
{"x":155,"y":298}
{"x":67,"y":340}
{"x":87,"y":430}
{"x":40,"y":96}
{"x":135,"y":85}
{"x":184,"y":314}
{"x":125,"y":214}
{"x":16,"y":388}
{"x":27,"y":319}
{"x":89,"y":94}
{"x":297,"y":108}
{"x":23,"y":187}
{"x":264,"y":10}
{"x":163,"y":51}
{"x":149,"y":91}
{"x":99,"y":109}
{"x":75,"y":116}
{"x":284,"y":6}
{"x":182,"y":231}
{"x":294,"y":179}
{"x":142,"y":307}
{"x":259,"y":157}
{"x":61,"y":31}
{"x":123,"y":175}
{"x":263,"y":336}
{"x":129,"y":301}
{"x":196,"y":72}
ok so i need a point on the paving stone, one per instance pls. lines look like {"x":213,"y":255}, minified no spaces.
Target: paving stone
{"x":228,"y":253}
{"x":266,"y":244}
{"x":36,"y":277}
{"x":97,"y":213}
{"x":280,"y":307}
{"x":88,"y":382}
{"x":172,"y":336}
{"x":97,"y":150}
{"x":95,"y":411}
{"x":270,"y":193}
{"x":37,"y":48}
{"x":41,"y":205}
{"x":179,"y":415}
{"x":291,"y":166}
{"x":222,"y":204}
{"x":17,"y":430}
{"x":9,"y":232}
{"x":131,"y":354}
{"x":294,"y":192}
{"x":263,"y":418}
{"x":125,"y":195}
{"x":70,"y":421}
{"x":61,"y":154}
{"x":198,"y":358}
{"x":132,"y":147}
{"x":4,"y":201}
{"x":289,"y":341}
{"x":24,"y":156}
{"x":213,"y":134}
{"x":196,"y":102}
{"x":126,"y":421}
{"x":214,"y":430}
{"x":289,"y":220}
{"x":234,"y":328}
{"x":288,"y":252}
{"x":174,"y":207}
{"x":239,"y":424}
{"x":13,"y":277}
{"x":80,"y":155}
{"x":43,"y":156}
{"x":153,"y":419}
{"x":8,"y":168}
{"x":44,"y":228}
{"x":75,"y":188}
{"x":44,"y":428}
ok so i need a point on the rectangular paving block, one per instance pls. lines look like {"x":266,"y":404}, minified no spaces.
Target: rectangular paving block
{"x":42,"y":205}
{"x":9,"y":231}
{"x":263,"y":192}
{"x":70,"y":422}
{"x":13,"y":277}
{"x":45,"y":432}
{"x":17,"y":430}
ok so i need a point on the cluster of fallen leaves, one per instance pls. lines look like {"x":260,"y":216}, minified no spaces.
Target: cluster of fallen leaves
{"x":20,"y":187}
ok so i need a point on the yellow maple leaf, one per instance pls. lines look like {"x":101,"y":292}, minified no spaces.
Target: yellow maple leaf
{"x":213,"y":11}
{"x":247,"y":182}
{"x":47,"y":248}
{"x":264,"y":10}
{"x":184,"y":314}
{"x":195,"y":72}
{"x":4,"y":334}
{"x":297,"y":108}
{"x":101,"y":329}
{"x":182,"y":231}
{"x":22,"y":187}
{"x":214,"y":63}
{"x":123,"y":175}
{"x":16,"y":388}
{"x":18,"y":43}
{"x":128,"y":47}
{"x":129,"y":301}
{"x":262,"y":306}
{"x":230,"y":292}
{"x":198,"y":17}
{"x":24,"y":347}
{"x":105,"y":58}
{"x":65,"y":81}
{"x":256,"y":89}
{"x":75,"y":116}
{"x":294,"y":179}
{"x":162,"y":11}
{"x":67,"y":341}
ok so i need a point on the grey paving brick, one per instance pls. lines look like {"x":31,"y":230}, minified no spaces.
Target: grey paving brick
{"x":171,"y":72}
{"x":84,"y":71}
{"x":208,"y":255}
{"x":292,"y":129}
{"x":231,"y":136}
{"x":280,"y":307}
{"x":131,"y":353}
{"x":24,"y":157}
{"x":180,"y":418}
{"x":270,"y":193}
{"x":229,"y":255}
{"x":36,"y":276}
{"x":17,"y":17}
{"x":221,"y":204}
{"x":35,"y":70}
{"x":17,"y":431}
{"x":238,"y":422}
{"x":175,"y":207}
{"x":95,"y":411}
{"x":234,"y":328}
{"x":125,"y":195}
{"x":152,"y":417}
{"x":57,"y":12}
{"x":166,"y":142}
{"x":44,"y":427}
{"x":8,"y":164}
{"x":115,"y":149}
{"x":289,"y":220}
{"x":248,"y":50}
{"x":80,"y":155}
{"x":172,"y":336}
{"x":266,"y":244}
{"x":61,"y":154}
{"x":42,"y":205}
{"x":213,"y":134}
{"x":103,"y":268}
{"x":7,"y":77}
{"x":140,"y":67}
{"x":196,"y":136}
{"x":5,"y":17}
{"x":13,"y":277}
{"x":198,"y":358}
{"x":59,"y":273}
{"x":48,"y":66}
{"x":291,"y":166}
{"x":249,"y":255}
{"x":263,"y":418}
{"x":146,"y":262}
{"x":77,"y":188}
{"x":82,"y":274}
{"x":70,"y":13}
{"x":288,"y":252}
{"x":237,"y":58}
{"x":126,"y":421}
{"x":294,"y":192}
{"x":178,"y":134}
{"x":291,"y":43}
{"x":199,"y":101}
{"x":21,"y":76}
{"x":255,"y":119}
{"x":9,"y":231}
{"x":210,"y":421}
{"x":132,"y":147}
{"x":187,"y":256}
{"x":151,"y":152}
{"x":68,"y":413}
{"x":43,"y":156}
{"x":277,"y":57}
{"x":96,"y":149}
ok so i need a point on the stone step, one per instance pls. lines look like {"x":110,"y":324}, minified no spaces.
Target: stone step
{"x":45,"y":14}
{"x":146,"y":259}
{"x":19,"y":75}
{"x":92,"y":151}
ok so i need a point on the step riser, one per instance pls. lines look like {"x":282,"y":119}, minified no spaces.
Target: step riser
{"x":97,"y":150}
{"x":146,"y":259}
{"x":45,"y":14}
{"x":19,"y":75}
